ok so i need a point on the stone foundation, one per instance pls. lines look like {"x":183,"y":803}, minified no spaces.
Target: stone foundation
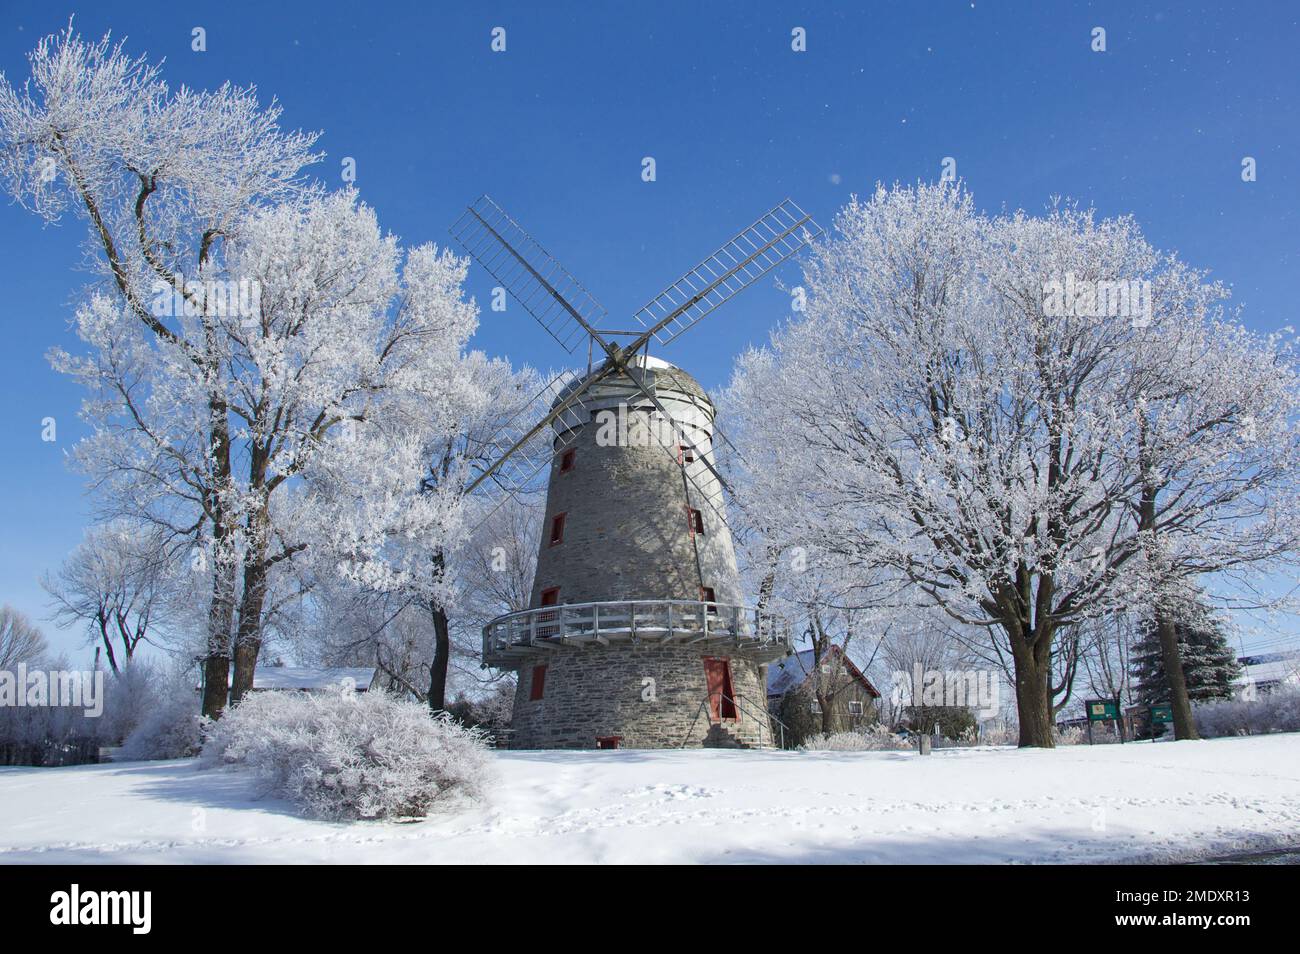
{"x":606,"y":691}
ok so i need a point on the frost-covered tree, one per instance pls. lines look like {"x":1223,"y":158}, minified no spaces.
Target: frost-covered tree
{"x":835,"y":607}
{"x":1209,"y":666}
{"x":266,"y":369}
{"x":121,"y":584}
{"x":1106,"y":653}
{"x":1216,"y":445}
{"x":20,"y":640}
{"x":941,"y":413}
{"x":441,"y":575}
{"x":381,"y":611}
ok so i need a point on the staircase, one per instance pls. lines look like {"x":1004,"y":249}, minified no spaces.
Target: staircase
{"x":720,"y":737}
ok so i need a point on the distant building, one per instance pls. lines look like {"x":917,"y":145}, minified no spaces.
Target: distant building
{"x":1268,"y":671}
{"x":849,"y":694}
{"x":312,"y":679}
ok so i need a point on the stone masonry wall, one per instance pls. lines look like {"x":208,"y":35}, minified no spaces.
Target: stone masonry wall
{"x":627,"y":537}
{"x":600,"y":691}
{"x":626,"y":533}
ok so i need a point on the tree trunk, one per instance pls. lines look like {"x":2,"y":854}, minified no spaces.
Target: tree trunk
{"x":216,"y":666}
{"x":247,"y":646}
{"x":1184,"y":725}
{"x":441,"y":645}
{"x":248,"y":638}
{"x":1033,"y":698}
{"x":101,"y":620}
{"x":1179,"y":699}
{"x":221,"y":615}
{"x":221,"y":609}
{"x":768,"y":583}
{"x":216,"y":677}
{"x":441,"y":658}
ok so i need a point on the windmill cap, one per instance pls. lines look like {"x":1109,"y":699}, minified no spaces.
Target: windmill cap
{"x":661,"y":376}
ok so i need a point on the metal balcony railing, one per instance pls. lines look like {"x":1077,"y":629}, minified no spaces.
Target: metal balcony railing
{"x":763,"y":720}
{"x":641,"y":622}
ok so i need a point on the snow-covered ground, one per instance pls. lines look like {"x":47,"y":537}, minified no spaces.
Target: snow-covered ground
{"x":1137,"y":802}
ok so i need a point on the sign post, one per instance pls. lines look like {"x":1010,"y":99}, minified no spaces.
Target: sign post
{"x":1163,"y":714}
{"x":1102,"y":710}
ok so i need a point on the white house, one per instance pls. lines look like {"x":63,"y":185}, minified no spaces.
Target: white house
{"x":1268,"y":671}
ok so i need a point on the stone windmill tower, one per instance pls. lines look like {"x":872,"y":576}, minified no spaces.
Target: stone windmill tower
{"x":637,"y":632}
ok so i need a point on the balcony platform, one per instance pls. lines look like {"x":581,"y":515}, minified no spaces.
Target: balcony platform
{"x":515,"y":638}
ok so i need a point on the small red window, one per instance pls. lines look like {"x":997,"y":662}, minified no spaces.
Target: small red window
{"x":550,"y":597}
{"x":538,"y":685}
{"x":685,"y":455}
{"x":708,"y":596}
{"x":567,"y":459}
{"x":695,"y":519}
{"x":557,"y":528}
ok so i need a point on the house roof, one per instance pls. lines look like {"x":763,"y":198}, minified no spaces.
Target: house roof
{"x":303,"y":677}
{"x":1270,"y":668}
{"x":793,"y":671}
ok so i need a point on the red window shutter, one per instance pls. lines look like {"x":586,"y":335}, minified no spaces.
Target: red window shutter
{"x":551,"y":596}
{"x":557,"y":528}
{"x":538,"y":686}
{"x":685,"y":455}
{"x":567,"y":460}
{"x":695,"y":519}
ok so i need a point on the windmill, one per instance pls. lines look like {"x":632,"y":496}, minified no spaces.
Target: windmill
{"x":636,"y":631}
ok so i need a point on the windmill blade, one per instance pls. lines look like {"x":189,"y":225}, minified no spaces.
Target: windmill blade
{"x":529,"y":273}
{"x":718,"y":432}
{"x":695,"y":476}
{"x":521,"y":442}
{"x":691,"y":471}
{"x":523,"y":446}
{"x":749,"y":256}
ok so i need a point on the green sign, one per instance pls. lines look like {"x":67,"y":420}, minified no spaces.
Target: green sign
{"x":1162,"y":714}
{"x":1101,"y":710}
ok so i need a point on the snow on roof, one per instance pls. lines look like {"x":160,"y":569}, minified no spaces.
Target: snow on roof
{"x":652,"y":363}
{"x":793,"y":670}
{"x":789,"y":672}
{"x":1270,"y":668}
{"x":302,"y":677}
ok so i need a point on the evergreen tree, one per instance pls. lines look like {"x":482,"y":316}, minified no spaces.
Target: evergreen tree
{"x":1209,"y":664}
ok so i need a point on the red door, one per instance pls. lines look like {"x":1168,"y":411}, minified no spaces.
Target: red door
{"x":550,"y":597}
{"x":717,"y":677}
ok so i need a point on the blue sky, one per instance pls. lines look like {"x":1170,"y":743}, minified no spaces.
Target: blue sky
{"x":555,"y":129}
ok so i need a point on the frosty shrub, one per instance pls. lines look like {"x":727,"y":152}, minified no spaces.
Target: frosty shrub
{"x":172,"y":728}
{"x":999,"y":733}
{"x":346,"y":755}
{"x":1070,"y":735}
{"x":875,"y":738}
{"x":1277,"y":711}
